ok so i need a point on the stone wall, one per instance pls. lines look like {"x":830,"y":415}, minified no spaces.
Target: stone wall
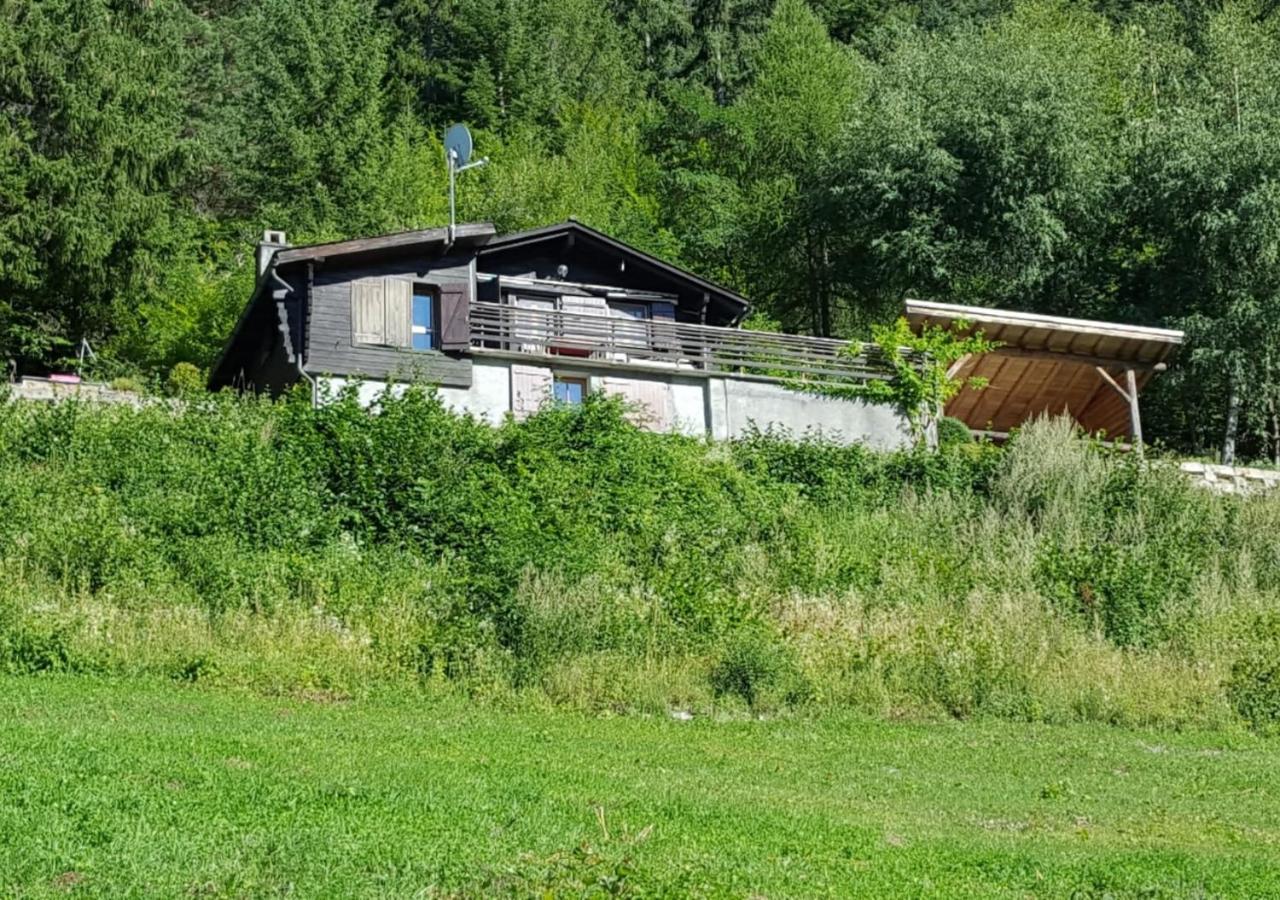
{"x":44,"y":390}
{"x":1231,"y":479}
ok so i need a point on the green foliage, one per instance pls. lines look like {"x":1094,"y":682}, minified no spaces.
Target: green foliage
{"x":824,"y":158}
{"x":185,"y":380}
{"x":755,"y":666}
{"x":921,"y":381}
{"x":238,"y":541}
{"x":953,"y":432}
{"x":1254,"y":684}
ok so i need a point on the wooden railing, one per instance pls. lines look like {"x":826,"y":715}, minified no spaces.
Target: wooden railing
{"x":779,"y":357}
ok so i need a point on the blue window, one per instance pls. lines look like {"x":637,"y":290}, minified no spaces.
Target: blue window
{"x":569,"y":390}
{"x":424,"y":321}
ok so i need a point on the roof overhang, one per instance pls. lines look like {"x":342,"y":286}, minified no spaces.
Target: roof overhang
{"x":730,"y":307}
{"x":427,"y":239}
{"x":1049,"y":365}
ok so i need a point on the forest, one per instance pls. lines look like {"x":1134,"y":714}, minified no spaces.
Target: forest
{"x":1115,"y":159}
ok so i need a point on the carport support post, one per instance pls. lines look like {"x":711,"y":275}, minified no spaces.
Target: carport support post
{"x":1135,"y":418}
{"x":1130,"y":394}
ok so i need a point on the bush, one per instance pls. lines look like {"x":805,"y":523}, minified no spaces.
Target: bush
{"x":953,"y":432}
{"x":129,"y":383}
{"x":756,"y":667}
{"x":185,"y":380}
{"x":245,"y":541}
{"x":1254,"y":685}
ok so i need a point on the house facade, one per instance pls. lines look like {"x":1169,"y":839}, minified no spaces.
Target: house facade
{"x":504,"y":324}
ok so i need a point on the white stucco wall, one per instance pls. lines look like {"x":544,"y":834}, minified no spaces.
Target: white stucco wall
{"x":723,"y":408}
{"x":367,"y":391}
{"x":737,"y":404}
{"x":489,"y":397}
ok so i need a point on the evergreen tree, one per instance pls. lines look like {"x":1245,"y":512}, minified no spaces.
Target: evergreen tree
{"x":96,"y":147}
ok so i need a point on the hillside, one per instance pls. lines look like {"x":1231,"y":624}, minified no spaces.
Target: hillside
{"x":1111,"y":160}
{"x":599,"y":566}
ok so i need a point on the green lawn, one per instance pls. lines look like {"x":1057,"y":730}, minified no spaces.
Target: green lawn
{"x":115,"y":788}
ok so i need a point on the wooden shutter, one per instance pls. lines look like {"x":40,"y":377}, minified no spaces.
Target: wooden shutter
{"x":455,"y":316}
{"x":368,"y":318}
{"x":530,"y":388}
{"x":650,"y":400}
{"x":399,"y":313}
{"x":584,"y":306}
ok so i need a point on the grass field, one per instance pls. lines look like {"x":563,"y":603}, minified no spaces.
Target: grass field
{"x":133,"y":788}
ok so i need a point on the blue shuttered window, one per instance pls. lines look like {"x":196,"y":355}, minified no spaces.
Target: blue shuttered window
{"x":424,"y":321}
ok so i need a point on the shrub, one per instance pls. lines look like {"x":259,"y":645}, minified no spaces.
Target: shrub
{"x":185,"y":380}
{"x":129,"y":383}
{"x":756,"y":667}
{"x":1254,"y":684}
{"x":31,"y":647}
{"x":246,"y":541}
{"x":953,"y":432}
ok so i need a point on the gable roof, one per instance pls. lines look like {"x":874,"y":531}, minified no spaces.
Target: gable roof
{"x":732,"y":306}
{"x":1048,"y":364}
{"x":478,"y":238}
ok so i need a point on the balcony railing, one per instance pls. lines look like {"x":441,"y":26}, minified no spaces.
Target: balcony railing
{"x":786,"y":358}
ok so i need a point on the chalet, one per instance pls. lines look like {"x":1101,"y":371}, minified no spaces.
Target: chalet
{"x":503,"y":324}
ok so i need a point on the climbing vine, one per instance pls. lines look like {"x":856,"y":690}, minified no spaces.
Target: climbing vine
{"x":921,"y":381}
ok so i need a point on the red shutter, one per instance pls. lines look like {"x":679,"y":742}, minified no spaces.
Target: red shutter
{"x":455,"y":316}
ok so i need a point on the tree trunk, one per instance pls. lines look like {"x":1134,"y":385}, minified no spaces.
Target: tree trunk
{"x":1233,"y":421}
{"x":815,"y":313}
{"x":1275,"y":431}
{"x":824,"y":281}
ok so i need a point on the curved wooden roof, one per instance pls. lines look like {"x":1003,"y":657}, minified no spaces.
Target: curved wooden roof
{"x":1049,"y":364}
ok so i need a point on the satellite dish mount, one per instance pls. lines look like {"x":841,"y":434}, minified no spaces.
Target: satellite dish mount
{"x":457,"y":155}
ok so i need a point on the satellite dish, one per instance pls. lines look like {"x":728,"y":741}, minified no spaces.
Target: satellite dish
{"x":457,"y":144}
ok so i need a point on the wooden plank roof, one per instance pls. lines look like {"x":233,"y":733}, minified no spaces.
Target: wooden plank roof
{"x":1048,"y":364}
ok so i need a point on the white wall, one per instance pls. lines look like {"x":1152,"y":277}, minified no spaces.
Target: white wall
{"x":737,"y":404}
{"x":720,"y":407}
{"x":489,"y":397}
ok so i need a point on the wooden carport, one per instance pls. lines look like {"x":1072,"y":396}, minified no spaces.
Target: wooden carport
{"x":1092,"y":371}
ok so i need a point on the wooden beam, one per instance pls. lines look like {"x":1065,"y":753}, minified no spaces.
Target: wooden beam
{"x":1106,"y":376}
{"x":956,"y":366}
{"x":1135,"y":417}
{"x":1082,"y":358}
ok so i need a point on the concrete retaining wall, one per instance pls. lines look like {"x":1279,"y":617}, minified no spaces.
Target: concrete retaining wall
{"x":737,"y":405}
{"x":669,"y":400}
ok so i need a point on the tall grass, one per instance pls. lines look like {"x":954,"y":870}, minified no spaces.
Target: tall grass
{"x":574,"y":558}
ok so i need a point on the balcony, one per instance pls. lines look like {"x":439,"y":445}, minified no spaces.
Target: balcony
{"x":667,"y":345}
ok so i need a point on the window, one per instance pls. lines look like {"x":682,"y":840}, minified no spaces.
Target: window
{"x":424,"y":320}
{"x":394,"y":312}
{"x":639,"y":311}
{"x":569,"y":390}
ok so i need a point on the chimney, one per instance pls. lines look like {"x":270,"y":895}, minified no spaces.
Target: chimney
{"x":267,"y":247}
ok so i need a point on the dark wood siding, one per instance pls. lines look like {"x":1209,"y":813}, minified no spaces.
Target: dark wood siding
{"x":330,"y":347}
{"x":257,"y":359}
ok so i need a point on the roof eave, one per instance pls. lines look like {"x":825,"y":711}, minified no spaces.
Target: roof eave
{"x":533,"y":235}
